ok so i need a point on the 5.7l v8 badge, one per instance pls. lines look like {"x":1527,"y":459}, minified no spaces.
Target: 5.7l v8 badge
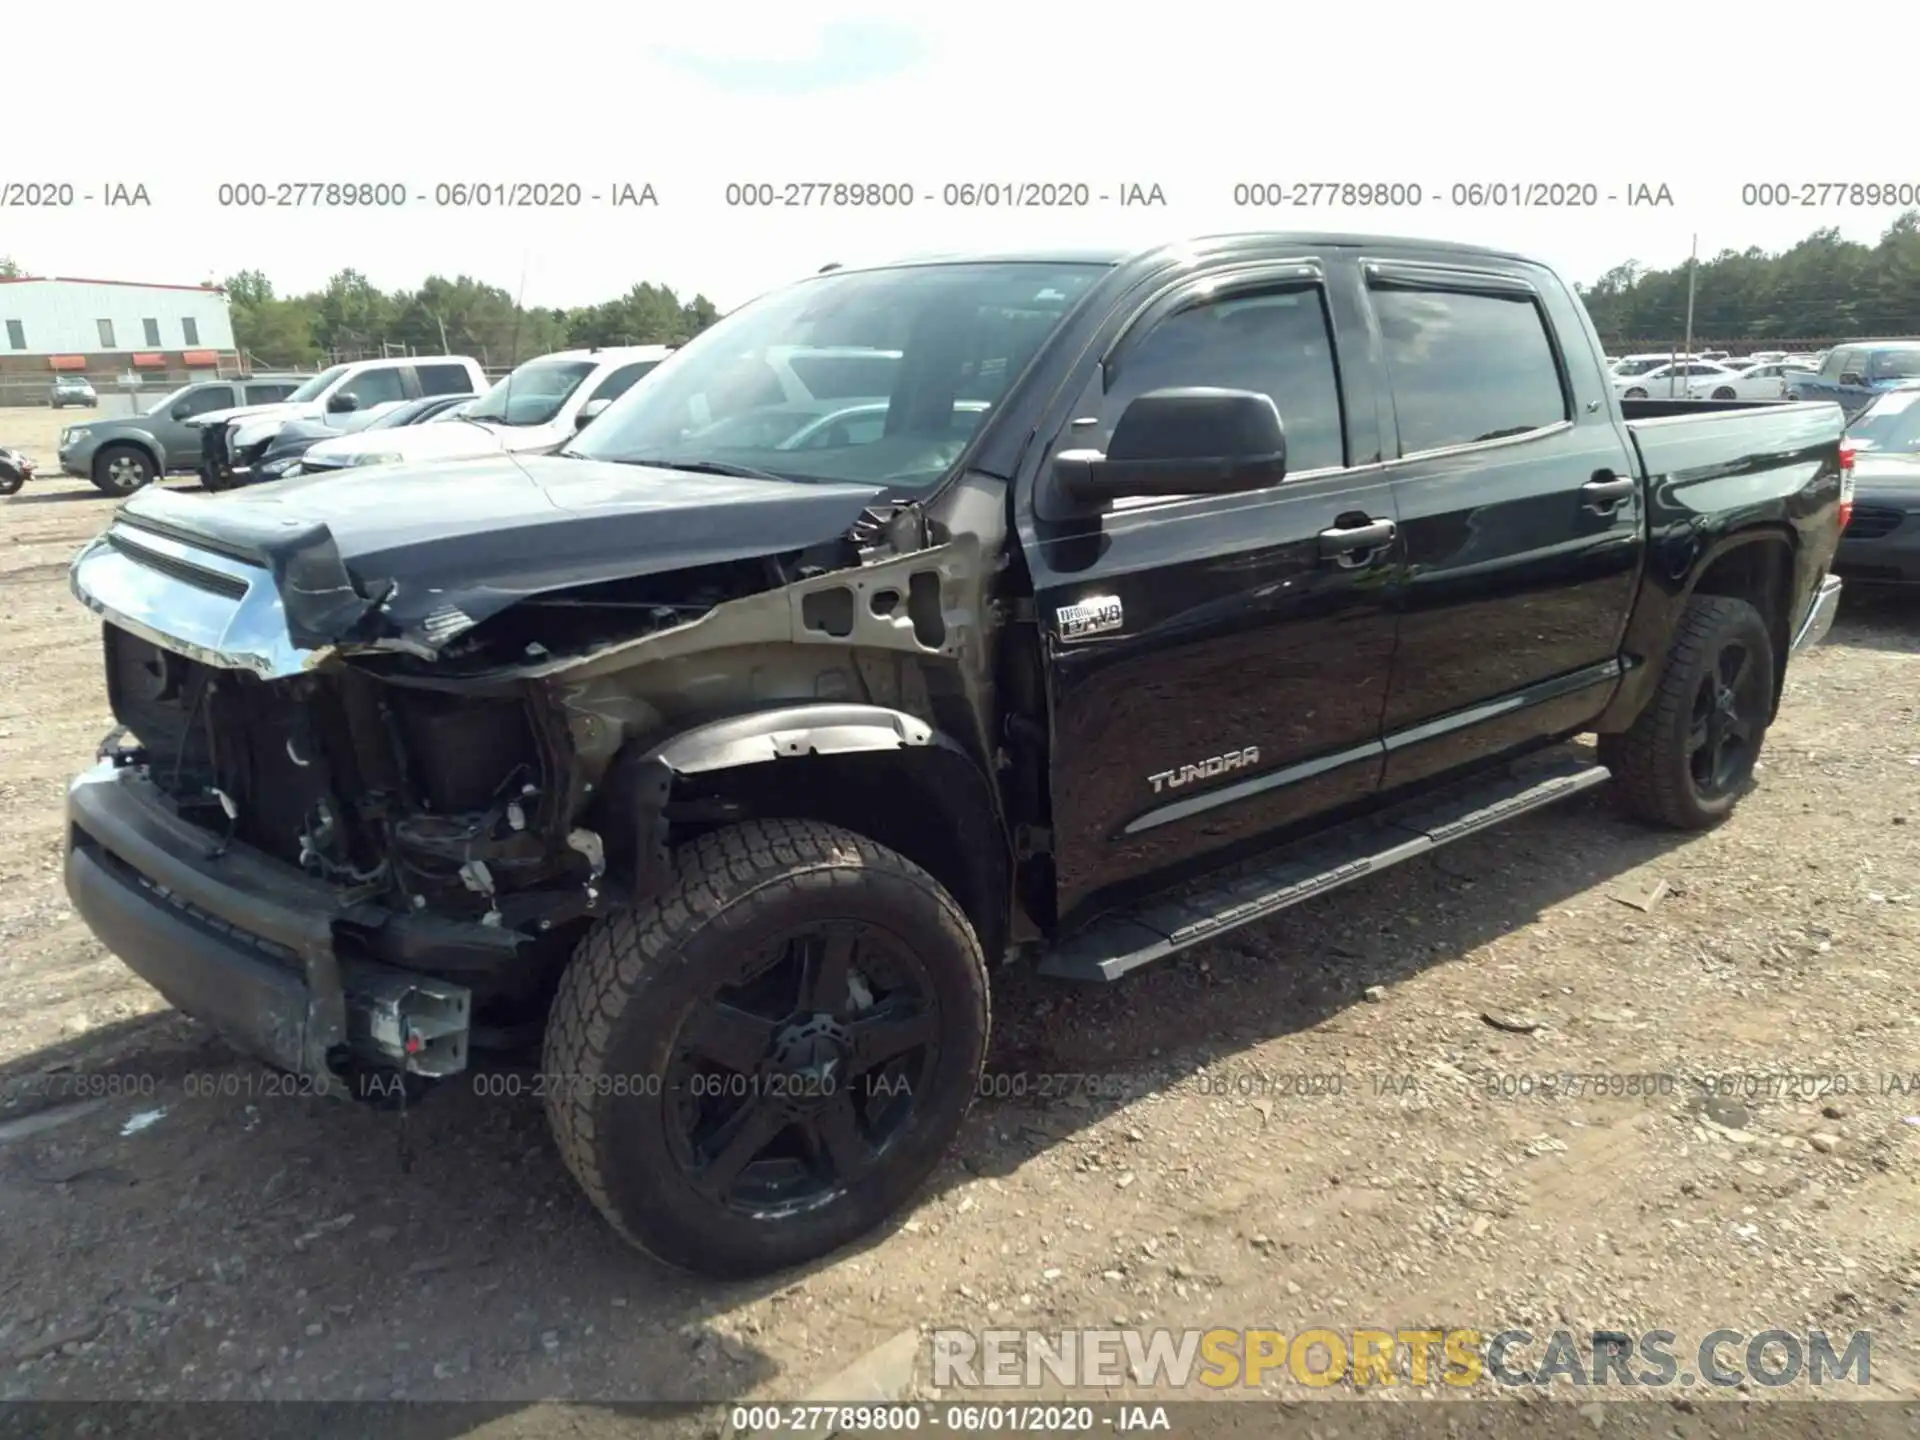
{"x":1095,"y":615}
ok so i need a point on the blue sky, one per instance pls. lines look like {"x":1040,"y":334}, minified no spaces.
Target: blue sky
{"x":1450,"y":102}
{"x":841,"y":54}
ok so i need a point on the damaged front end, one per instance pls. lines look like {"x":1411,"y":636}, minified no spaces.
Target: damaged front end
{"x":350,"y":830}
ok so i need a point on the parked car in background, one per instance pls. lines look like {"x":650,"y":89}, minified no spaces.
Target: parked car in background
{"x":1670,"y":382}
{"x":1273,"y":562}
{"x":1881,"y":544}
{"x":350,"y":396}
{"x":539,"y":407}
{"x":73,"y":390}
{"x":294,"y":439}
{"x":15,"y":470}
{"x":122,"y":453}
{"x":1631,"y":365}
{"x":1853,"y":374}
{"x":1745,"y":382}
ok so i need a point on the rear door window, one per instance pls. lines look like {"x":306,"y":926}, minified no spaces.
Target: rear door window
{"x":1467,"y":367}
{"x":444,"y":379}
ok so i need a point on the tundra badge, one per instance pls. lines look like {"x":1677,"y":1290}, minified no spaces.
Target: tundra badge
{"x":1093,"y":616}
{"x":1205,"y":770}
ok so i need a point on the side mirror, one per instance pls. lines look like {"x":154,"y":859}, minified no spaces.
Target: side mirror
{"x":1191,"y":441}
{"x":1852,"y":377}
{"x":588,"y":411}
{"x":342,"y":404}
{"x":180,"y":411}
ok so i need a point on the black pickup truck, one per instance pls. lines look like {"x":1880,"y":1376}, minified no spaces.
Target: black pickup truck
{"x":1117,"y":601}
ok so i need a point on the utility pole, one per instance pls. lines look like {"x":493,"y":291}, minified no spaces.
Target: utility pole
{"x":1693,"y":267}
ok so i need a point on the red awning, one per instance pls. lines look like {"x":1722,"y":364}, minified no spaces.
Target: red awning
{"x":200,"y":359}
{"x":67,"y":362}
{"x":150,"y":362}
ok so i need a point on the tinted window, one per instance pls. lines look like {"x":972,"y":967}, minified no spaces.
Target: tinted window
{"x":16,"y":335}
{"x":190,"y":331}
{"x":376,"y":387}
{"x":152,"y":327}
{"x":106,"y":334}
{"x":1278,"y":344}
{"x":267,"y":393}
{"x":620,"y":381}
{"x":1467,"y":367}
{"x":1838,"y":363}
{"x":444,"y":380}
{"x":214,"y":397}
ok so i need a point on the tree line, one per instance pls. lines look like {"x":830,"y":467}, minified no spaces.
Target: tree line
{"x":350,"y":317}
{"x":1823,"y":289}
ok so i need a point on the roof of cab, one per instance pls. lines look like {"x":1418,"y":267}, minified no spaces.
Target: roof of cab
{"x":1224,"y":243}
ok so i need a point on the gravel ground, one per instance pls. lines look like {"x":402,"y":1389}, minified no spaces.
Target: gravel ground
{"x":1346,"y":1118}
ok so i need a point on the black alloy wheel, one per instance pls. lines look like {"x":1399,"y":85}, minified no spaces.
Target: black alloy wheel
{"x":794,"y":1077}
{"x":1729,"y":712}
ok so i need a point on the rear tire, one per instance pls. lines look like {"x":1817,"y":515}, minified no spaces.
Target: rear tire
{"x":801,"y":997}
{"x":1635,"y":393}
{"x":122,"y":469}
{"x":1723,"y":393}
{"x":1687,"y":759}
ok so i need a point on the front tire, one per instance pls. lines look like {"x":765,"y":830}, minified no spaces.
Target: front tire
{"x":121,"y":470}
{"x":760,"y":1065}
{"x":1635,"y":393}
{"x":1686,"y":761}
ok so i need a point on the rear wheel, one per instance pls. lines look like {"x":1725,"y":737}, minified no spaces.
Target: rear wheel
{"x":759,"y":1066}
{"x":1635,"y":393}
{"x":122,"y":469}
{"x":1723,"y":393}
{"x":1688,"y":758}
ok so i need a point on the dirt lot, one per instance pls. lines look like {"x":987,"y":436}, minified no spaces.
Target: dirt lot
{"x":175,"y":1228}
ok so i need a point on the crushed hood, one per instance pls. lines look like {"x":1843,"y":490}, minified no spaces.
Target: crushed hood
{"x":278,"y":410}
{"x":422,"y":554}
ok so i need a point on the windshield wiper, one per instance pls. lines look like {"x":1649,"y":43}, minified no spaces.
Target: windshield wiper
{"x":703,"y":467}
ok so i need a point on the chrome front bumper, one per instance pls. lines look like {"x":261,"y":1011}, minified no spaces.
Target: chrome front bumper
{"x":1819,"y":621}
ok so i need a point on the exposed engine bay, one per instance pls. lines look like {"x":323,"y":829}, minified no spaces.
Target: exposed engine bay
{"x":493,"y":782}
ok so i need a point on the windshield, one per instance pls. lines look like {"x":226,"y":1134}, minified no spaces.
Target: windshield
{"x":1640,"y":366}
{"x":533,"y":394}
{"x":1891,"y":423}
{"x":165,"y":400}
{"x":318,"y":383}
{"x":1895,"y":365}
{"x":921,"y":352}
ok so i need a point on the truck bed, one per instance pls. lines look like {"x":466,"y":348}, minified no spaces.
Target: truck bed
{"x":1706,"y":440}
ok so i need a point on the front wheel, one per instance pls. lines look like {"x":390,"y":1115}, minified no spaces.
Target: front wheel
{"x":1723,"y":393}
{"x":762,"y":1064}
{"x":1688,"y":757}
{"x":1635,"y":393}
{"x":121,"y":470}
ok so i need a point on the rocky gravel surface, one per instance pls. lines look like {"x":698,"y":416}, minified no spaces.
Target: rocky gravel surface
{"x":1570,"y":1075}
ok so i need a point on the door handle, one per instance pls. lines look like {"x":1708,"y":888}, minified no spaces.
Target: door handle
{"x":1347,"y":544}
{"x":1607,"y":490}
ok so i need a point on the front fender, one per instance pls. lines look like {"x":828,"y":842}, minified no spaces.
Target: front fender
{"x":133,"y":435}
